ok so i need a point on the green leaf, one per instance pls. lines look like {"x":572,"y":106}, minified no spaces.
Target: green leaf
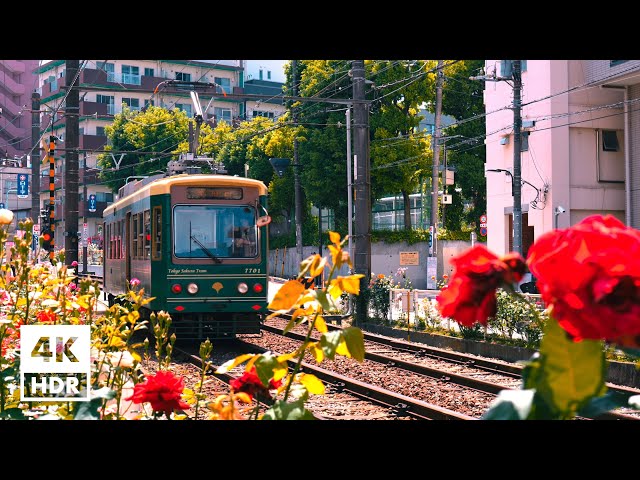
{"x":326,"y":301}
{"x":355,"y":342}
{"x":570,"y":373}
{"x":510,"y":405}
{"x":89,"y":410}
{"x":288,"y":411}
{"x":599,"y":405}
{"x":265,"y":365}
{"x":329,"y":343}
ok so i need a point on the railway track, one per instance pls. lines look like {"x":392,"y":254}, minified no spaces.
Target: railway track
{"x":458,"y":370}
{"x":344,"y":398}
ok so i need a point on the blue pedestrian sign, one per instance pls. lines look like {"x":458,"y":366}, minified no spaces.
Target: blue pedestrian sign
{"x":23,"y":185}
{"x":92,"y":203}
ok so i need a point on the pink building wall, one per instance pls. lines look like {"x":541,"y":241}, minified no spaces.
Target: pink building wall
{"x":17,"y":82}
{"x":563,"y":149}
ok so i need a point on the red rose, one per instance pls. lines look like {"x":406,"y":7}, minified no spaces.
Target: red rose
{"x":251,"y":384}
{"x":162,"y":391}
{"x":590,"y":275}
{"x":470,"y":296}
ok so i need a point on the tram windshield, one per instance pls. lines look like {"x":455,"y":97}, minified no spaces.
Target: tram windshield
{"x":214,"y":232}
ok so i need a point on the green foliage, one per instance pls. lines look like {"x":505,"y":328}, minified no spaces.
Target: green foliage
{"x":395,"y":236}
{"x":158,"y":132}
{"x":377,"y":295}
{"x":462,"y":235}
{"x":515,"y":316}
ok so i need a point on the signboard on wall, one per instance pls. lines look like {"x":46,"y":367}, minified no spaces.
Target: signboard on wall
{"x":409,"y":258}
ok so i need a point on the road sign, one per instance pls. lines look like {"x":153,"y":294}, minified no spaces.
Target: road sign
{"x":483,"y":219}
{"x":483,"y":225}
{"x":483,"y":231}
{"x":23,"y":186}
{"x":92,"y":203}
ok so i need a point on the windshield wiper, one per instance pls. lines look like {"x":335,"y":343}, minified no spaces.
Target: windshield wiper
{"x":206,"y":250}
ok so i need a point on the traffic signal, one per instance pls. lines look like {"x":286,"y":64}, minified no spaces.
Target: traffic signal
{"x":46,"y":238}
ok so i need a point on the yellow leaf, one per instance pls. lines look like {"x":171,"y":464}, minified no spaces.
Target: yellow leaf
{"x":316,"y":351}
{"x":336,"y":255}
{"x":334,"y":290}
{"x":350,"y":284}
{"x":321,"y":325}
{"x":234,"y":362}
{"x":343,"y":349}
{"x":243,"y":397}
{"x":317,"y":266}
{"x":287,"y":295}
{"x":335,"y":238}
{"x":180,"y":416}
{"x":311,"y":383}
{"x":279,"y":373}
{"x":285,"y":357}
{"x":136,"y":356}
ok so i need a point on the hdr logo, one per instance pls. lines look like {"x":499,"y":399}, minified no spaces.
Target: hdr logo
{"x":55,"y":362}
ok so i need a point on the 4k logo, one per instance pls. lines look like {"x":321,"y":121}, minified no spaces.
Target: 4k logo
{"x":55,"y":362}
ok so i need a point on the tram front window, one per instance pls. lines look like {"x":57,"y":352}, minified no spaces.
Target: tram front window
{"x":214,"y":232}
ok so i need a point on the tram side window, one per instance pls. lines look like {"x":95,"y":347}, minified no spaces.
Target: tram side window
{"x":109,"y":246}
{"x":119,"y":253}
{"x":147,"y":234}
{"x":134,"y":236}
{"x":156,"y":228}
{"x":140,"y":252}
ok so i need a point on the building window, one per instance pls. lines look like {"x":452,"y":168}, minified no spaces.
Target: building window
{"x":100,"y":132}
{"x":185,"y":107}
{"x":223,"y":114}
{"x":268,"y":74}
{"x":149,"y":72}
{"x":148,"y":102}
{"x":109,"y":68}
{"x":262,"y":113}
{"x":183,"y":77}
{"x":81,"y":131}
{"x":610,"y":141}
{"x":131,"y":75}
{"x":614,"y":63}
{"x":224,"y":83}
{"x":261,"y":74}
{"x":132,"y":103}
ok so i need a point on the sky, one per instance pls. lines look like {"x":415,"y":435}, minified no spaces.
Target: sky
{"x":276,"y":67}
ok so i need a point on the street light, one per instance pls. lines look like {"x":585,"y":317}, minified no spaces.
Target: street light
{"x":518,"y":233}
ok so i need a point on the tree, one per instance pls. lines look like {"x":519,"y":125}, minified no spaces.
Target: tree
{"x":400,"y":156}
{"x":463,"y":99}
{"x":157,"y":133}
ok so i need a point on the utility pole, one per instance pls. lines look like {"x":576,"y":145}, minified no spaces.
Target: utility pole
{"x":349,"y":184}
{"x":35,"y":157}
{"x":296,"y":171}
{"x":71,"y":171}
{"x":436,"y":160}
{"x":362,"y":192}
{"x":517,"y":183}
{"x":52,"y":172}
{"x":516,"y":177}
{"x":85,"y":249}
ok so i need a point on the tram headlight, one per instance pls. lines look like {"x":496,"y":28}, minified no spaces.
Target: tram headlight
{"x":243,"y":287}
{"x":192,"y":288}
{"x":176,"y":288}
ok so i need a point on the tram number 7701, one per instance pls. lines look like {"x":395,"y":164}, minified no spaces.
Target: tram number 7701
{"x":252,"y":270}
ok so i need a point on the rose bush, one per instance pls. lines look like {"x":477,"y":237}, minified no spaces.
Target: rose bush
{"x":588,"y":276}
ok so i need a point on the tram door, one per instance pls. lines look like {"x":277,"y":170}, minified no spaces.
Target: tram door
{"x":127,"y":242}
